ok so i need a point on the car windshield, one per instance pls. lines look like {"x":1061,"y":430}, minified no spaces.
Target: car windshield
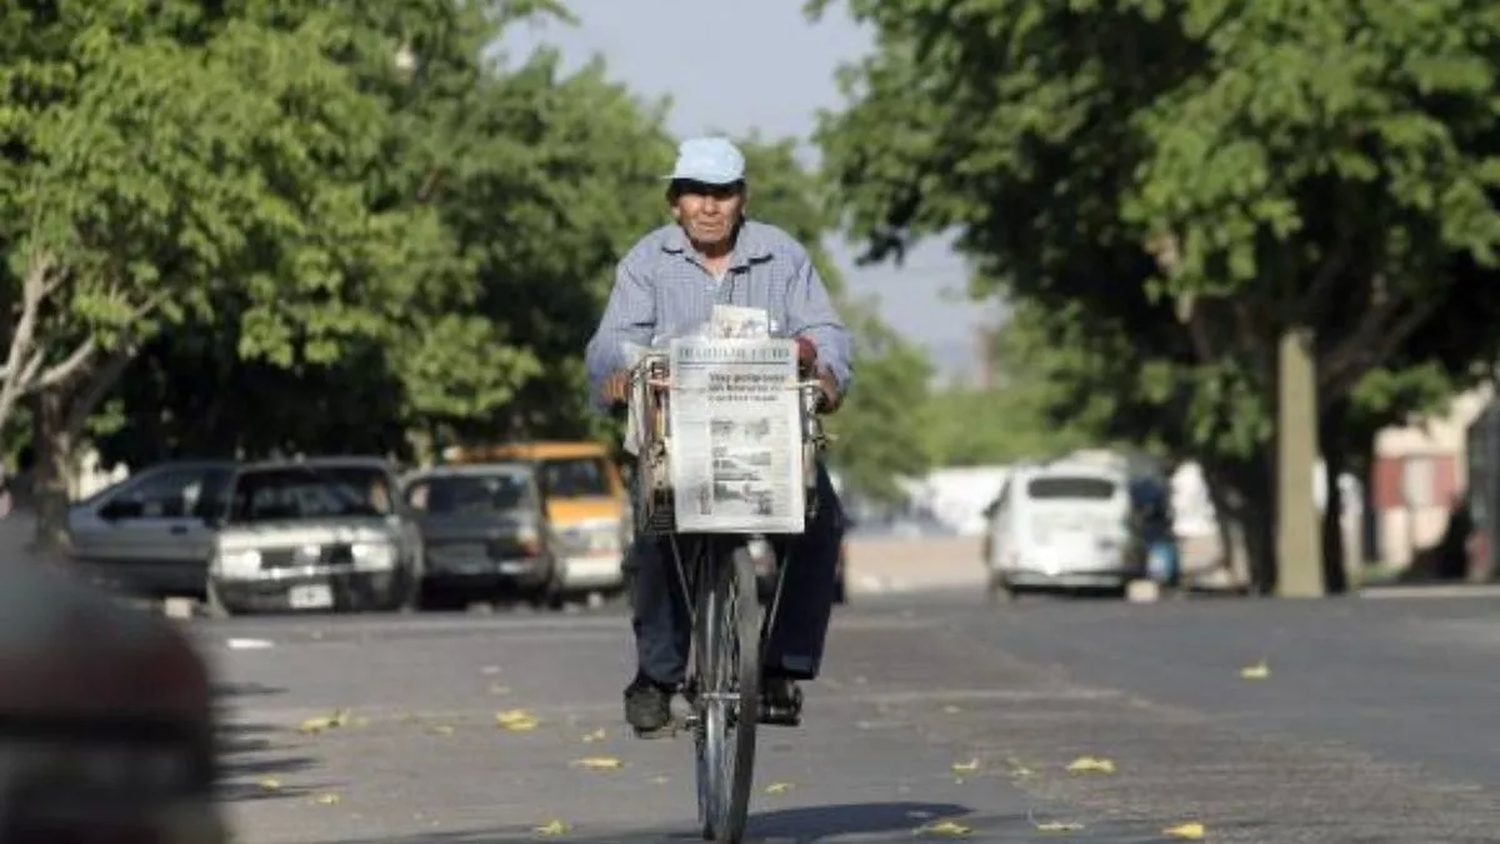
{"x":1076,"y":487}
{"x":306,"y":492}
{"x":453,"y":495}
{"x":576,"y":477}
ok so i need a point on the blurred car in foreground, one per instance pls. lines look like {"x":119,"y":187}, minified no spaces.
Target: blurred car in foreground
{"x":485,"y":530}
{"x":106,"y":719}
{"x":326,"y":533}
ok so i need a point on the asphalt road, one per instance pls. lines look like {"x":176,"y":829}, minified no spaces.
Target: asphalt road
{"x":1377,"y":722}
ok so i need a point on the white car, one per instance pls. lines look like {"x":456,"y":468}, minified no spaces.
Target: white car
{"x":1063,"y":525}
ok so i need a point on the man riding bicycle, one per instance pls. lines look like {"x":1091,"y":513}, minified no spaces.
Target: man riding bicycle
{"x":667,"y":285}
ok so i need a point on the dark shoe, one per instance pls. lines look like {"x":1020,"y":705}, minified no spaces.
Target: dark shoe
{"x":780,"y":701}
{"x":648,"y":704}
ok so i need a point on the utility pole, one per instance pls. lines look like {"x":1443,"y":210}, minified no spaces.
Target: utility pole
{"x":1299,"y":543}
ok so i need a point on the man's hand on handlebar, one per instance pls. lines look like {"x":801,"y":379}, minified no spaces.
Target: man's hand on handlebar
{"x":807,"y":363}
{"x":616,"y":388}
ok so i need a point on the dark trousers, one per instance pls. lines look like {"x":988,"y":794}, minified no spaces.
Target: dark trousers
{"x":663,"y":626}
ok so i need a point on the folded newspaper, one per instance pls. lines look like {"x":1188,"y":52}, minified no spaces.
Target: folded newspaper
{"x":736,"y":447}
{"x":736,"y":419}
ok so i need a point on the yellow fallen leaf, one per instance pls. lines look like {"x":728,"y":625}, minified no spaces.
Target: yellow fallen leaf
{"x":947,"y":829}
{"x":442,"y":729}
{"x":517,"y":720}
{"x":270,"y":784}
{"x":1017,"y":767}
{"x":966,"y":767}
{"x":779,"y":788}
{"x":1259,"y":671}
{"x":313,"y":726}
{"x":600,"y":763}
{"x":1192,"y":831}
{"x":597,"y":735}
{"x":1090,"y":764}
{"x":326,"y":799}
{"x":552,"y":827}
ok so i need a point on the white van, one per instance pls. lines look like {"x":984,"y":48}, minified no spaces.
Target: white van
{"x":1061,"y":525}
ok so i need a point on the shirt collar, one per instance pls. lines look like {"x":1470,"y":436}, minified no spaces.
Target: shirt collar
{"x":749,"y":246}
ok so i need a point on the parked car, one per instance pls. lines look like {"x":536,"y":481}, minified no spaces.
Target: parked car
{"x":109,"y":720}
{"x":485,"y":530}
{"x":326,"y":533}
{"x":1062,"y":525}
{"x":586,"y":504}
{"x":148,"y":534}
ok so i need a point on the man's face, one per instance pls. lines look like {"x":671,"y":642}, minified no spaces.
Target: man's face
{"x":708,"y":212}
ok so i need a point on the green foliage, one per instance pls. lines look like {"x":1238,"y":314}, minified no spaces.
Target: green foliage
{"x":330,"y":226}
{"x":880,"y":430}
{"x":562,"y":176}
{"x":1172,"y":185}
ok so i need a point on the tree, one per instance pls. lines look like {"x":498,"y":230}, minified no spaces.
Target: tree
{"x":153,"y":178}
{"x":563,"y":177}
{"x":1239,"y":177}
{"x":531,"y":175}
{"x":879,"y":432}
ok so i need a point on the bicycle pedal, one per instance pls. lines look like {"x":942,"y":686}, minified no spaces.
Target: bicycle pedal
{"x":669,"y":731}
{"x":780,"y":716}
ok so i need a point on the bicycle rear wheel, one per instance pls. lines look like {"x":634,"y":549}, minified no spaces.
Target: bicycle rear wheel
{"x":727,"y":649}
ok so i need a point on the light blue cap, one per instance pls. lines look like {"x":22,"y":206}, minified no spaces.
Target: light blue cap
{"x":711,"y":161}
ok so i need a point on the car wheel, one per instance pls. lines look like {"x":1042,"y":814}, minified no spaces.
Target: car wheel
{"x":406,"y":592}
{"x":213,"y":602}
{"x":1000,"y":590}
{"x":550,"y":594}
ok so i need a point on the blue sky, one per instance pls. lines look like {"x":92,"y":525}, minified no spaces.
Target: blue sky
{"x":737,"y":65}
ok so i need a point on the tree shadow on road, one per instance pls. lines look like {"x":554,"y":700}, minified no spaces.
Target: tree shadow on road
{"x":820,"y":823}
{"x":253,"y":757}
{"x":809,"y":825}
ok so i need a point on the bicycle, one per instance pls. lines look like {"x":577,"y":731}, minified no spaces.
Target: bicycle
{"x":717,"y":574}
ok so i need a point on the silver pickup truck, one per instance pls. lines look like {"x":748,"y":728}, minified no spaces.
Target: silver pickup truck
{"x":316,"y":534}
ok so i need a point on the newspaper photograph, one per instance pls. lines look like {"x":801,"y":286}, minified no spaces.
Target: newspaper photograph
{"x":736,"y":452}
{"x":732,"y":322}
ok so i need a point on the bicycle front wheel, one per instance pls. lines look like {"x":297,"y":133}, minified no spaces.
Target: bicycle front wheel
{"x":728,"y":649}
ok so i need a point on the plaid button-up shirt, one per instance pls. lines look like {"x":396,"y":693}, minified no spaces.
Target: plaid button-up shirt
{"x":662,"y":290}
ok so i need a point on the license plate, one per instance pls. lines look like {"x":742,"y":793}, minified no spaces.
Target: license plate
{"x":315,"y":596}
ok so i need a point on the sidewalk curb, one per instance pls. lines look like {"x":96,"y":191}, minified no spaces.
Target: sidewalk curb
{"x":1436,"y":591}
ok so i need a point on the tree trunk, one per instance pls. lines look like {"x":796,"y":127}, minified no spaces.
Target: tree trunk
{"x":54,"y":446}
{"x":1244,"y":506}
{"x":61,"y":414}
{"x":1335,"y":570}
{"x":1299,"y":550}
